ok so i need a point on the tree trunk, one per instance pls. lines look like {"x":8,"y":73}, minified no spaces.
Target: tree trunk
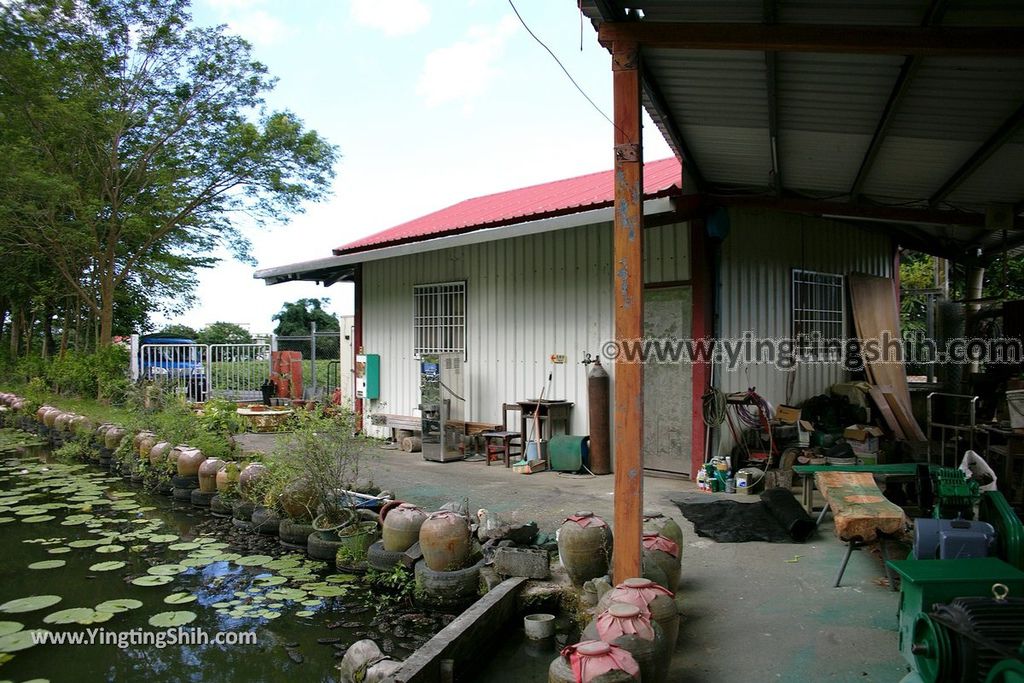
{"x":47,"y":321}
{"x":15,"y":340}
{"x":106,"y":332}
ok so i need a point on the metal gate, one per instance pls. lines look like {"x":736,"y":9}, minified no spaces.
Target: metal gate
{"x":321,"y":353}
{"x":182,"y":368}
{"x":236,"y":371}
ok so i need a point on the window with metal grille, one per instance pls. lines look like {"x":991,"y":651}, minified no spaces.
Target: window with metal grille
{"x":819,"y":313}
{"x":439,"y":317}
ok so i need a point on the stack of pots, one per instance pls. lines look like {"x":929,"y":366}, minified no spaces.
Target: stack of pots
{"x":187,"y":461}
{"x":442,"y":575}
{"x":627,"y":626}
{"x":584,"y":546}
{"x":401,"y":530}
{"x":208,"y":470}
{"x":656,"y":602}
{"x":661,"y":560}
{"x":226,"y":479}
{"x":595,"y":660}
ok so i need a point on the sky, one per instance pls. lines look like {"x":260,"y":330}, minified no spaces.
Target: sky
{"x":429,"y":103}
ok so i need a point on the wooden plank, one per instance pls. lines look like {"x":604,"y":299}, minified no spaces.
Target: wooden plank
{"x":629,"y":312}
{"x":820,"y":38}
{"x":907,"y":422}
{"x":859,"y":509}
{"x":883,"y":407}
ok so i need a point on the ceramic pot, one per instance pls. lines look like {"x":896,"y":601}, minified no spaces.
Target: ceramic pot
{"x":657,"y":523}
{"x":62,"y":422}
{"x":227,"y":476}
{"x":402,"y":527}
{"x":597,"y":660}
{"x":113,"y":436}
{"x":145,"y":445}
{"x":445,"y":541}
{"x":248,"y":477}
{"x":299,"y":499}
{"x":663,"y":553}
{"x":655,"y":601}
{"x":356,"y":539}
{"x":584,"y":546}
{"x":138,"y":439}
{"x":626,"y":626}
{"x":189,"y":461}
{"x":50,"y":416}
{"x":208,"y":474}
{"x":159,"y":452}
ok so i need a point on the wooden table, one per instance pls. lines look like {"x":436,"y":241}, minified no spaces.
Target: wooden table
{"x":903,"y":469}
{"x":550,"y":413}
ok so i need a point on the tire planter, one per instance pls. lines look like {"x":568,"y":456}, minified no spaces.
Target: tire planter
{"x":165,"y":487}
{"x":202,"y":499}
{"x":242,"y":511}
{"x":444,"y":539}
{"x":185,"y":482}
{"x":381,"y":559}
{"x":182,"y":495}
{"x":294,"y":534}
{"x":105,"y":461}
{"x":448,"y":589}
{"x":323,"y":545}
{"x":356,"y":540}
{"x":218,"y":508}
{"x":266,"y":521}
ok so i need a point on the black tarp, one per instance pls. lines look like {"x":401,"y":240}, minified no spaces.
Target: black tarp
{"x":730,"y":521}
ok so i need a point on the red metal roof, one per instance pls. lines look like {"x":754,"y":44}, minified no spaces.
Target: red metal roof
{"x":561,"y":197}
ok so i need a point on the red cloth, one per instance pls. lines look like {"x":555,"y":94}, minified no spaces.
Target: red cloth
{"x":586,"y":668}
{"x":610,"y":627}
{"x":659,"y":542}
{"x":586,"y":522}
{"x":641,"y":597}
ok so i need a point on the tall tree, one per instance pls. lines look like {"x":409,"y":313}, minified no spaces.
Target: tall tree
{"x":224,"y":333}
{"x":294,"y":318}
{"x":139,"y":138}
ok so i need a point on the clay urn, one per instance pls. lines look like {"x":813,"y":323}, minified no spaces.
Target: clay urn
{"x":227,"y":476}
{"x":248,"y":477}
{"x":208,"y":474}
{"x":445,"y":540}
{"x":584,"y":546}
{"x":158,"y":453}
{"x":401,"y":527}
{"x":189,"y":460}
{"x":113,"y":436}
{"x":299,"y":499}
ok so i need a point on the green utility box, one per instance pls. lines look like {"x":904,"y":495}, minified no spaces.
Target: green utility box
{"x":928,"y":582}
{"x":368,"y":376}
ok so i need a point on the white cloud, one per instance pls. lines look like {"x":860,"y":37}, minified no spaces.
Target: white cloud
{"x":464,"y":70}
{"x":393,"y":17}
{"x":260,"y":28}
{"x":233,"y":5}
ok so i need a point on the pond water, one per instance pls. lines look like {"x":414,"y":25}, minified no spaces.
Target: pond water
{"x":121,"y":564}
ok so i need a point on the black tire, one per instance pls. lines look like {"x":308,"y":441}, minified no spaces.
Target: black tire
{"x":266,"y":521}
{"x":383,"y":560}
{"x":105,"y":462}
{"x":218,"y":508}
{"x":242,"y":523}
{"x":136,"y":478}
{"x":185,"y":482}
{"x":182,"y":495}
{"x":294,"y":534}
{"x":320,"y":548}
{"x":445,"y":589}
{"x":201,"y":499}
{"x":242,"y":511}
{"x":164,"y":488}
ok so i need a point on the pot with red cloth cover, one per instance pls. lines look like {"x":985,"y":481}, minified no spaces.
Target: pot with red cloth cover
{"x":589,"y":660}
{"x":584,"y":546}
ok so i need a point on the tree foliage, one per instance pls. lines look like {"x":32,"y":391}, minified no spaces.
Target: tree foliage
{"x":179,"y":331}
{"x":294,"y":318}
{"x":224,"y":333}
{"x":133,"y":141}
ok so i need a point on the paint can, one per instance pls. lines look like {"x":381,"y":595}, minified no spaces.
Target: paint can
{"x":730,"y":485}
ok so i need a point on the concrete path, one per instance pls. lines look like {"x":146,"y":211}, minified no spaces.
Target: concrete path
{"x":753,"y":611}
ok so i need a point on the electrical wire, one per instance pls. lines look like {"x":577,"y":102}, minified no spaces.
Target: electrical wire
{"x":715,"y":405}
{"x":564,"y":70}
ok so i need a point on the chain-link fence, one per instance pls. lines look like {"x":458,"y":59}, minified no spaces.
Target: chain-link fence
{"x":321,"y":353}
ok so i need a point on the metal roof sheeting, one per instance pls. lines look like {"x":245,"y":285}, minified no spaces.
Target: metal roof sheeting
{"x":573,"y":195}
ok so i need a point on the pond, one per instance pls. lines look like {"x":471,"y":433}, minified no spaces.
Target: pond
{"x":160,"y":588}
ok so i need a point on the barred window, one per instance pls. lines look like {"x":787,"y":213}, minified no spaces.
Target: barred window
{"x":439,"y":318}
{"x":819,"y":312}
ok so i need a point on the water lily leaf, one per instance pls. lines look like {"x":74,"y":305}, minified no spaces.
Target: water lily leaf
{"x":221,"y":605}
{"x":341,"y":578}
{"x":172,"y":619}
{"x":270,"y":615}
{"x":9,"y":627}
{"x":328,"y":591}
{"x":117,"y":606}
{"x":152,"y":580}
{"x":294,"y":571}
{"x":227,"y":557}
{"x":179,"y":598}
{"x":305,"y":613}
{"x":196,"y":562}
{"x":253,"y":560}
{"x":5,"y":520}
{"x":85,"y":543}
{"x":106,"y":566}
{"x":105,"y":549}
{"x":47,"y":564}
{"x":163,"y":538}
{"x":29,"y":604}
{"x":22,"y":640}
{"x":287,"y":594}
{"x":35,"y":519}
{"x":167,"y":569}
{"x":272,"y":580}
{"x":59,"y":551}
{"x":281,"y":563}
{"x":183,"y":546}
{"x":77,"y":615}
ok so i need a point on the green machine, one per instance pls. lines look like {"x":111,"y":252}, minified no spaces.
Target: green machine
{"x":962,"y":620}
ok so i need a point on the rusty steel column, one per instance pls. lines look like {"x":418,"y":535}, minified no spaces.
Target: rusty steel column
{"x":627,"y":266}
{"x":357,"y":339}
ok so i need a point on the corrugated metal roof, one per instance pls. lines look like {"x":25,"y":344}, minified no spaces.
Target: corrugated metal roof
{"x":582,"y":193}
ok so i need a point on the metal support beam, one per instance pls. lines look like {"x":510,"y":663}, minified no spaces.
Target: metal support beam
{"x":980,"y":156}
{"x":629,"y":311}
{"x":771,"y":62}
{"x":874,"y":40}
{"x":676,"y":139}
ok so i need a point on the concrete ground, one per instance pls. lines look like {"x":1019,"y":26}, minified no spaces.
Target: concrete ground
{"x":753,"y":611}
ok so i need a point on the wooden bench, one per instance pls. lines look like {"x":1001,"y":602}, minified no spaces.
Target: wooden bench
{"x":862,"y":514}
{"x":409,"y":422}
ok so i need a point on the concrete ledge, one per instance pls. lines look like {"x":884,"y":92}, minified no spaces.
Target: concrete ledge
{"x":461,"y":641}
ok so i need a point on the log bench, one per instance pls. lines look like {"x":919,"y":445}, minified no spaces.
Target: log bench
{"x":862,"y":514}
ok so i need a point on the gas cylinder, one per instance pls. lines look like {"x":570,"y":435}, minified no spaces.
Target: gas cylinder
{"x":598,"y":406}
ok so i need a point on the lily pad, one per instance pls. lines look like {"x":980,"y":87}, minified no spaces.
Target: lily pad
{"x":162,"y":538}
{"x":171,"y":619}
{"x":305,"y":613}
{"x":9,"y":627}
{"x":106,"y":566}
{"x":179,"y":598}
{"x":253,"y":560}
{"x":183,"y":546}
{"x":117,"y":606}
{"x":22,"y":640}
{"x":35,"y":519}
{"x":48,"y":564}
{"x":287,"y":594}
{"x":271,"y":580}
{"x":151,"y":580}
{"x":328,"y":591}
{"x":105,"y":549}
{"x":85,"y":543}
{"x":167,"y":569}
{"x":341,"y":578}
{"x":78,"y":615}
{"x":59,"y":551}
{"x":29,"y":604}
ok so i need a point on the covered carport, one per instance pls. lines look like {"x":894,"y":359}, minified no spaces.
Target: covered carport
{"x":901,"y":115}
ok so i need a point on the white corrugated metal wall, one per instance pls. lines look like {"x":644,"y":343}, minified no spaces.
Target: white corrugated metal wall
{"x":527,"y":298}
{"x":755,"y":295}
